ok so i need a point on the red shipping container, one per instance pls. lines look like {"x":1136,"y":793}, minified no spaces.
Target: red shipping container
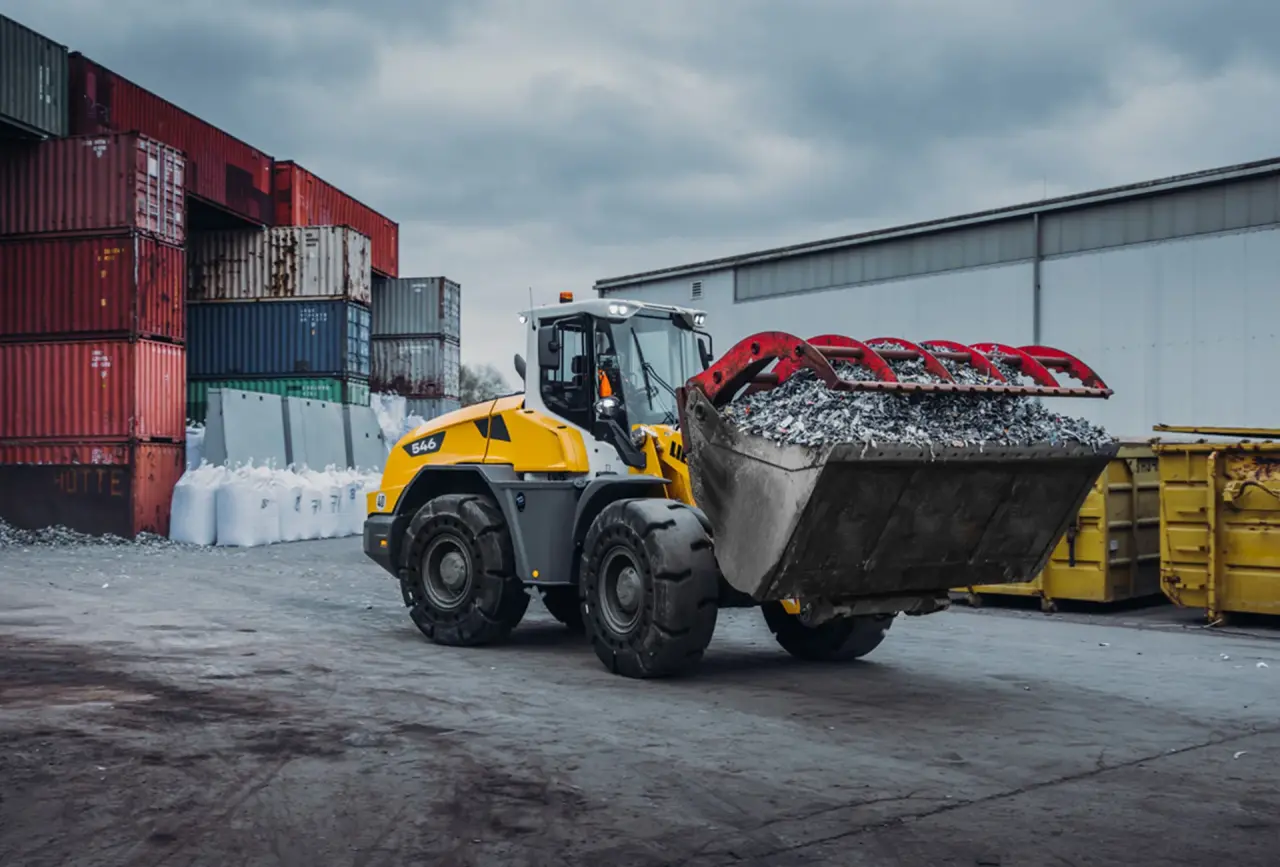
{"x":221,"y":169}
{"x":119,"y":488}
{"x":128,"y":285}
{"x":93,"y":184}
{"x":302,"y":199}
{"x":93,"y":390}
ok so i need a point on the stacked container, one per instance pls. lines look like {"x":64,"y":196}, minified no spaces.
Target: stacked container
{"x":302,"y":199}
{"x":92,"y":361}
{"x":283,"y":310}
{"x":417,"y":327}
{"x":33,"y":83}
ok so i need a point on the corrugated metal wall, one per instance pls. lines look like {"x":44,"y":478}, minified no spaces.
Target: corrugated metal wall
{"x":33,"y":81}
{"x":1171,"y":297}
{"x":279,"y":338}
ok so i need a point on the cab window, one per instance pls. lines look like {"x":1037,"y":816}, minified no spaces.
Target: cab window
{"x":569,"y":390}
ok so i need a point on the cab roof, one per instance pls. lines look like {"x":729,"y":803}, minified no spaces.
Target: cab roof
{"x":607,"y":308}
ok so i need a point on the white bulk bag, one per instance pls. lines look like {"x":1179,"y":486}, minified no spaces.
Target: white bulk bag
{"x":193,"y":512}
{"x":295,"y":520}
{"x":248,"y":514}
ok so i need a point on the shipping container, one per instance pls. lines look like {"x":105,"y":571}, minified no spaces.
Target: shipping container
{"x":93,"y":390}
{"x":349,"y":390}
{"x":417,"y":306}
{"x":416,"y":366}
{"x":325,"y":262}
{"x":431,"y":407}
{"x":33,"y":81}
{"x":286,"y":338}
{"x":121,"y":489}
{"x":1111,"y":550}
{"x":302,"y":199}
{"x":92,"y":184}
{"x":127,"y":285}
{"x":1220,"y":526}
{"x":222,"y":170}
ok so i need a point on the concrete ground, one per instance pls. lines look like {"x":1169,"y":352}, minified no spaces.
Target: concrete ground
{"x":277,"y":707}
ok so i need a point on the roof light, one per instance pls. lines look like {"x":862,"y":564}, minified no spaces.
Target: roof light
{"x":618,"y":309}
{"x":523,"y":319}
{"x":566,"y":297}
{"x":699,"y":319}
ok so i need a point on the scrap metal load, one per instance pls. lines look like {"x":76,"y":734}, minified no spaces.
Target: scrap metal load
{"x":886,"y":470}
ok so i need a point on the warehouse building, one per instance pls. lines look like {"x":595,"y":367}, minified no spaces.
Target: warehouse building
{"x":1169,"y":289}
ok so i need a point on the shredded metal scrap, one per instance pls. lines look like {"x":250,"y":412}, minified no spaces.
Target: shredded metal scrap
{"x":61,"y":537}
{"x":803,"y":411}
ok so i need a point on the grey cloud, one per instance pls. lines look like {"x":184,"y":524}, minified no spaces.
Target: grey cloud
{"x":879,"y":89}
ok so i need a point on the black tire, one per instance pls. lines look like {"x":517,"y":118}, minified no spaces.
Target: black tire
{"x":673,"y":585}
{"x":459,"y":583}
{"x":565,"y":606}
{"x":836,"y":640}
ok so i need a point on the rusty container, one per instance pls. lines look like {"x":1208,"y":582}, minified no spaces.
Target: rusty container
{"x":93,"y":184}
{"x":416,"y":367}
{"x":303,"y":199}
{"x":1220,"y":525}
{"x":86,"y":390}
{"x":222,"y":170}
{"x":284,"y":263}
{"x":121,"y":489}
{"x":125,"y":285}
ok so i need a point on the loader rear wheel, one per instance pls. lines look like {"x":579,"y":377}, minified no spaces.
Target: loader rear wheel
{"x":460,"y":584}
{"x":650,"y":585}
{"x":564,"y":605}
{"x":836,"y":640}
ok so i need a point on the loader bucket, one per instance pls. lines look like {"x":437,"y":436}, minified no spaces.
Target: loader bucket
{"x":849,"y":520}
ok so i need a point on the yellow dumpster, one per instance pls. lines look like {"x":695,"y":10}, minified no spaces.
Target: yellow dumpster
{"x":1220,"y":524}
{"x":1111,"y":552}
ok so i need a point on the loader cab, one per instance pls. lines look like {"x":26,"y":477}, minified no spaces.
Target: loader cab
{"x":606,"y":366}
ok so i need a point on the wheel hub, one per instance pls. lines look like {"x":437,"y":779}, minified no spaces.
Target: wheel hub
{"x":446,"y":573}
{"x":621,"y":591}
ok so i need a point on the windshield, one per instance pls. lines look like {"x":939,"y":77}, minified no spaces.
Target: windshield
{"x":655,"y":357}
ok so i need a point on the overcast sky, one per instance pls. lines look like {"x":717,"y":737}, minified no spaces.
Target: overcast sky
{"x":548,"y":143}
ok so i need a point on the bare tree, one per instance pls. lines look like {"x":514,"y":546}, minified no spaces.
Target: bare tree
{"x":480,"y":383}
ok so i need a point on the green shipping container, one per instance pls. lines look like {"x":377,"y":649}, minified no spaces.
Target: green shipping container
{"x":352,"y":391}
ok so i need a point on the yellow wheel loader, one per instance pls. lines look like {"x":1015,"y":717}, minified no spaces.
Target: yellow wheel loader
{"x":614,"y":487}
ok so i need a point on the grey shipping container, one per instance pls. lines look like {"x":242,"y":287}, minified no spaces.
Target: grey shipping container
{"x":407,"y":306}
{"x":285,"y":263}
{"x":431,"y":407}
{"x":34,"y":82}
{"x":415,"y":366}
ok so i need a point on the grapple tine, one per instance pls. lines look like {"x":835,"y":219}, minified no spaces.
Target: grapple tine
{"x":931,"y":362}
{"x":970,"y":356}
{"x":858,"y":353}
{"x":1074,"y":367}
{"x":1030,"y":365}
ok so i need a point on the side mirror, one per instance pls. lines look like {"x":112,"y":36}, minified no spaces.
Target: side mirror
{"x":704,"y":349}
{"x":607,"y":408}
{"x":520,"y":369}
{"x":548,"y":348}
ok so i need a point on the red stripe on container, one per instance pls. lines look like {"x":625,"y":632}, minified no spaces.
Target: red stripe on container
{"x":126,"y":285}
{"x":94,"y":389}
{"x":92,"y":184}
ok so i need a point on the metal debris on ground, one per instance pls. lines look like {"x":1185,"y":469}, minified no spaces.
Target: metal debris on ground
{"x":803,"y":411}
{"x":62,"y":537}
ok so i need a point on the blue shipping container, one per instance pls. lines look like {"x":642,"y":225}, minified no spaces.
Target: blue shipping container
{"x":277,"y":338}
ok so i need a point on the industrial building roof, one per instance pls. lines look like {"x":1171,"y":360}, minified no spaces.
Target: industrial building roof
{"x":1207,"y":177}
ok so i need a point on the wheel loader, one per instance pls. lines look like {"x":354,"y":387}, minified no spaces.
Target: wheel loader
{"x":614,"y":488}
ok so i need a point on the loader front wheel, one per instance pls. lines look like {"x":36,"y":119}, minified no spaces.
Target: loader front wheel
{"x":836,"y":640}
{"x":460,"y":584}
{"x":650,"y":585}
